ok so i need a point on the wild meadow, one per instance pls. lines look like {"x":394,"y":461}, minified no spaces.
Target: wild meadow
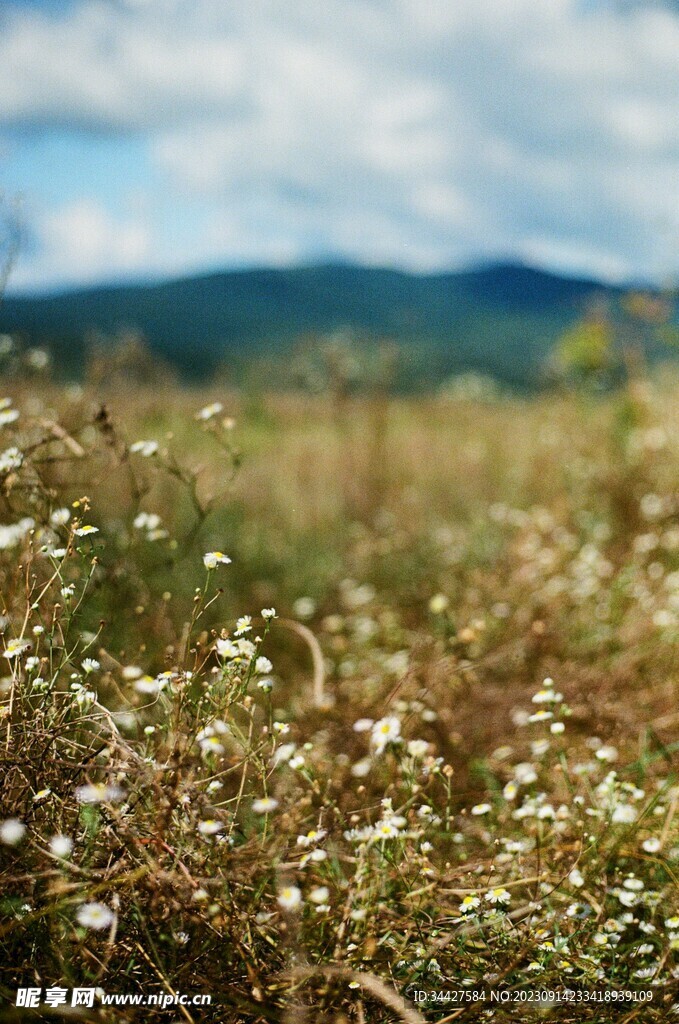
{"x":327,"y":706}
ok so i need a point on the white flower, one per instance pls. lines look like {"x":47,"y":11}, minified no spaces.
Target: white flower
{"x":147,"y":685}
{"x":145,"y":448}
{"x":418,"y":748}
{"x":12,"y":831}
{"x":209,"y":411}
{"x":60,"y":516}
{"x":90,"y":665}
{"x":296,"y":762}
{"x":98,"y":793}
{"x":11,"y":459}
{"x":290,"y":898}
{"x":540,"y":716}
{"x":480,"y":809}
{"x":363,"y":724}
{"x":556,"y":728}
{"x":61,"y":846}
{"x":546,"y":697}
{"x":211,"y":559}
{"x":8,"y":416}
{"x":283,"y":753}
{"x":132,"y":672}
{"x":211,"y":745}
{"x":499,"y":895}
{"x":438,"y":604}
{"x":606,"y":753}
{"x":264,"y":805}
{"x":314,"y":835}
{"x":304,"y":607}
{"x":361,"y":768}
{"x":576,"y":878}
{"x":651,"y":845}
{"x":387,"y":730}
{"x":469,"y":904}
{"x":95,"y":915}
{"x":86,"y":531}
{"x":226,"y":648}
{"x":320,"y":894}
{"x":525,"y":773}
{"x":15,"y":648}
{"x":263,"y":666}
{"x":243,"y":625}
{"x":210,"y":827}
{"x":268,"y":614}
{"x":624,"y":814}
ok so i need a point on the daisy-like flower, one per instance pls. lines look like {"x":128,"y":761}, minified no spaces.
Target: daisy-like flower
{"x":42,"y":794}
{"x":211,"y":745}
{"x":385,"y":830}
{"x":624,"y":814}
{"x":540,"y":716}
{"x":576,"y":878}
{"x":86,"y":531}
{"x":132,"y":672}
{"x":478,"y":810}
{"x":469,"y":904}
{"x":98,"y":793}
{"x":263,"y":666}
{"x":211,"y":559}
{"x":500,"y":895}
{"x":243,"y":625}
{"x":90,"y":665}
{"x":556,"y":728}
{"x":61,"y":846}
{"x":363,"y":725}
{"x":226,"y":648}
{"x":290,"y":898}
{"x":145,"y":448}
{"x":387,"y":730}
{"x":210,"y":827}
{"x":11,"y":458}
{"x":651,"y":845}
{"x":147,"y":685}
{"x":12,"y":831}
{"x":314,"y":835}
{"x":417,"y":748}
{"x":208,"y":412}
{"x":95,"y":915}
{"x":15,"y":648}
{"x":8,"y":416}
{"x":268,"y":614}
{"x":264,"y":805}
{"x":320,"y":894}
{"x":60,"y":516}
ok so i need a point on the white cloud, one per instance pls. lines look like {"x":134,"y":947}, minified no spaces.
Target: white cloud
{"x":420,"y":132}
{"x":82,"y":242}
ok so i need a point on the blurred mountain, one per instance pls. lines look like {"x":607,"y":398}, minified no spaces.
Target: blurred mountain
{"x":500,"y":320}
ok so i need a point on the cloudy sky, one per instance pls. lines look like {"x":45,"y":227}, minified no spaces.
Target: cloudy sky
{"x":148,"y":138}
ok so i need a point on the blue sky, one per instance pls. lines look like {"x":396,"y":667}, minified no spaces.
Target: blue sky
{"x":152,"y":138}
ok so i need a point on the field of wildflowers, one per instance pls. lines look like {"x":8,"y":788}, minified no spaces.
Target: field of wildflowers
{"x":357,"y":711}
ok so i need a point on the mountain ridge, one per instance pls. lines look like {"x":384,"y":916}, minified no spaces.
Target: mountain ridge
{"x":500,"y":318}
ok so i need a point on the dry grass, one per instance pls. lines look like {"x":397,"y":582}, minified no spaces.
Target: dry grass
{"x":442,"y":559}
